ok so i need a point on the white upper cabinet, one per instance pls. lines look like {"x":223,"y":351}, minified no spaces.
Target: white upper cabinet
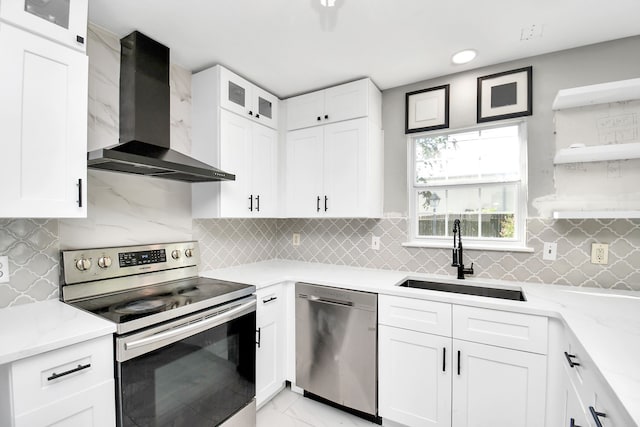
{"x":64,"y":21}
{"x":246,"y":99}
{"x":43,"y":125}
{"x":335,"y":170}
{"x":236,"y":143}
{"x":344,"y":102}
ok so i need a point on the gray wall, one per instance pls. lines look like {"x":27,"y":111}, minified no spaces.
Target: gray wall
{"x":603,"y":62}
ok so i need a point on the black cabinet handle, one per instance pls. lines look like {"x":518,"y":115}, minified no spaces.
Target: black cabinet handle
{"x":80,"y":192}
{"x":251,"y":203}
{"x":572,"y":423}
{"x":444,"y":358}
{"x":265,"y":301}
{"x":326,"y":117}
{"x":257,"y":116}
{"x":257,"y":203}
{"x":458,"y":362}
{"x":318,"y":204}
{"x":258,"y":342}
{"x":80,"y":39}
{"x":597,"y":415}
{"x":251,"y":113}
{"x":55,"y":376}
{"x":326,"y":199}
{"x":319,"y":118}
{"x":569,"y":358}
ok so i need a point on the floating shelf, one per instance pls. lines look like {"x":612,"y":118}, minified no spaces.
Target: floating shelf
{"x":598,"y":153}
{"x":595,"y":214}
{"x":604,"y":93}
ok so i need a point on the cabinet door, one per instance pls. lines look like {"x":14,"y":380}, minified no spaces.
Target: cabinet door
{"x":304,"y":172}
{"x":270,"y":353}
{"x":574,"y":415}
{"x":64,"y":21}
{"x":235,"y":146}
{"x":43,"y":123}
{"x":347,"y":101}
{"x":305,"y":110}
{"x":345,"y":169}
{"x":235,"y":93}
{"x":265,"y":107}
{"x":263,"y":187}
{"x":499,"y":387}
{"x":415,"y":377}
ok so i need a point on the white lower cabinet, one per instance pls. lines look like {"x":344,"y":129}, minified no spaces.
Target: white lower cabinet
{"x":271,"y":342}
{"x":573,"y":414}
{"x":414,"y":377}
{"x":69,"y":387}
{"x":439,"y":380}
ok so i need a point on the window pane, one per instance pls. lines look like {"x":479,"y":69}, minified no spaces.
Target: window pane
{"x":464,"y":204}
{"x":498,"y":204}
{"x":431,"y":221}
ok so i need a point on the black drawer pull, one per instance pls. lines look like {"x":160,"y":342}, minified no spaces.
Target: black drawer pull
{"x":326,"y":117}
{"x":257,"y":203}
{"x":444,"y":358}
{"x":265,"y":301}
{"x":55,"y":376}
{"x":319,"y":118}
{"x":570,"y":359}
{"x":318,"y":204}
{"x":572,"y":423}
{"x":326,"y":199}
{"x":251,"y":203}
{"x":258,"y":342}
{"x":458,"y":362}
{"x":596,"y":415}
{"x":80,"y":192}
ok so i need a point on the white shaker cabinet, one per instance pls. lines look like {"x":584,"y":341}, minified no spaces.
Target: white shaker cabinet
{"x":235,"y":144}
{"x":335,"y":170}
{"x":271,"y":342}
{"x":69,"y":387}
{"x":343,"y":102}
{"x":246,"y":99}
{"x":43,"y":125}
{"x":64,"y":21}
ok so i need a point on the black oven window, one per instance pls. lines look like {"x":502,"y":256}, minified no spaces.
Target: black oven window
{"x":199,"y":381}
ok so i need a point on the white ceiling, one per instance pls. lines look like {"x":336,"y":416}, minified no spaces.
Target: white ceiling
{"x":294,"y":46}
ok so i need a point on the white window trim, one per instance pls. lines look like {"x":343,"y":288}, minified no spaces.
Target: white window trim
{"x":517,"y":244}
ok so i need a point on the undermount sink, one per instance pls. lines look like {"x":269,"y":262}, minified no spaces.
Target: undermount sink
{"x":510,"y":294}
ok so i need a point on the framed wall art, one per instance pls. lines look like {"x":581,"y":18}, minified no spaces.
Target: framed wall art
{"x":427,"y":109}
{"x":505,"y":95}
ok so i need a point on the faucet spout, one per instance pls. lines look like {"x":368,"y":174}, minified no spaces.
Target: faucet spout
{"x":458,"y":261}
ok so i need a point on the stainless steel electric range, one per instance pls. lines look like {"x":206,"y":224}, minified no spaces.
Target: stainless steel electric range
{"x":184,"y":346}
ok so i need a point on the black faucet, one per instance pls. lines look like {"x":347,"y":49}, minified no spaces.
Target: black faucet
{"x":457,"y":252}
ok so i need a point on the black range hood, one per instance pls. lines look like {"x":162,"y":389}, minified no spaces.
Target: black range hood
{"x":144,"y":147}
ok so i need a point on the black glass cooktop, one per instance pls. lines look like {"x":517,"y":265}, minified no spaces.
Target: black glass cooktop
{"x":148,"y":305}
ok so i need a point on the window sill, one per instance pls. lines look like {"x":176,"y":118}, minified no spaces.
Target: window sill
{"x":470,"y":246}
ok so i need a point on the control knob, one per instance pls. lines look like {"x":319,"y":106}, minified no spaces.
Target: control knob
{"x":188,"y":253}
{"x":104,"y":262}
{"x":175,"y":254}
{"x":83,"y":264}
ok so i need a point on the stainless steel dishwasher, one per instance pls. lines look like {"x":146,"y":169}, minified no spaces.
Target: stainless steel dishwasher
{"x":336,"y":345}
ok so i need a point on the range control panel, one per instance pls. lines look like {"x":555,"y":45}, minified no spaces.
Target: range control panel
{"x":86,"y":265}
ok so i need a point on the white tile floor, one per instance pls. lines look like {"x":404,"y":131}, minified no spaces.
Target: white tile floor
{"x":289,"y":409}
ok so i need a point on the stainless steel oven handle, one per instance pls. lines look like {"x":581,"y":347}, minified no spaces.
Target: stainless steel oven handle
{"x":203,"y":324}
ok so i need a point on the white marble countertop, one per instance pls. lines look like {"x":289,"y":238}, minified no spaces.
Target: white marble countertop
{"x":30,"y":329}
{"x":607,"y":323}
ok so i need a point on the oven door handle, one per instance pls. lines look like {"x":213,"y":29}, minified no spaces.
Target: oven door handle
{"x":189,"y":329}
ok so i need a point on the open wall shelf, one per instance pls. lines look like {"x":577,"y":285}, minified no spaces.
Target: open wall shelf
{"x":620,"y":91}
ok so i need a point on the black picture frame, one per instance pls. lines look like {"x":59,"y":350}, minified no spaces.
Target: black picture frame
{"x":435,"y":101}
{"x":500,"y":95}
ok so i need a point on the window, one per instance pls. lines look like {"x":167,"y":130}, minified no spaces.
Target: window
{"x":477,"y":176}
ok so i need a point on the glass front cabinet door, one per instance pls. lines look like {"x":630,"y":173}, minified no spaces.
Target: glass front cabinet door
{"x":64,"y":21}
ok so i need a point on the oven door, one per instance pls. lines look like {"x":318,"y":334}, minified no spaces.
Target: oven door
{"x":196,"y":371}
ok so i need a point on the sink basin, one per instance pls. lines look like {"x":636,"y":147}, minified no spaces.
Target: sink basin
{"x":510,"y":294}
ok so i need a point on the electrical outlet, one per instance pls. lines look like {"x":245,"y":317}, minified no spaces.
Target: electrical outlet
{"x":550,"y":251}
{"x":4,"y":269}
{"x":375,"y":243}
{"x":295,"y":241}
{"x":599,"y":253}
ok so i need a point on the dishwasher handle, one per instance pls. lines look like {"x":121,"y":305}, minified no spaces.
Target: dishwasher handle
{"x":321,"y":300}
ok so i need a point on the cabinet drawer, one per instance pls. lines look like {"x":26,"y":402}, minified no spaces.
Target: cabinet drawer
{"x":578,"y":366}
{"x":270,"y":302}
{"x":90,"y":408}
{"x":40,"y":380}
{"x":501,"y":328}
{"x":415,"y":314}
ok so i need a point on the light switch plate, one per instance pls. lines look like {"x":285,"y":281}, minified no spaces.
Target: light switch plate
{"x":375,"y":243}
{"x":550,"y":251}
{"x":4,"y":269}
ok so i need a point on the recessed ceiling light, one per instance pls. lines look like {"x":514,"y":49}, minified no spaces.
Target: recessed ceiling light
{"x":464,"y":56}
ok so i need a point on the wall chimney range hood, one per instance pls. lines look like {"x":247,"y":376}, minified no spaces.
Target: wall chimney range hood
{"x":144,"y":147}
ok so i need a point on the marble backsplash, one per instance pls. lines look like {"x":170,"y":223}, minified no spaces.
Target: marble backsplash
{"x":33,"y":249}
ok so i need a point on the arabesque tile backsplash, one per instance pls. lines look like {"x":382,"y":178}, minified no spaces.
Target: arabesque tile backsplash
{"x":33,"y":249}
